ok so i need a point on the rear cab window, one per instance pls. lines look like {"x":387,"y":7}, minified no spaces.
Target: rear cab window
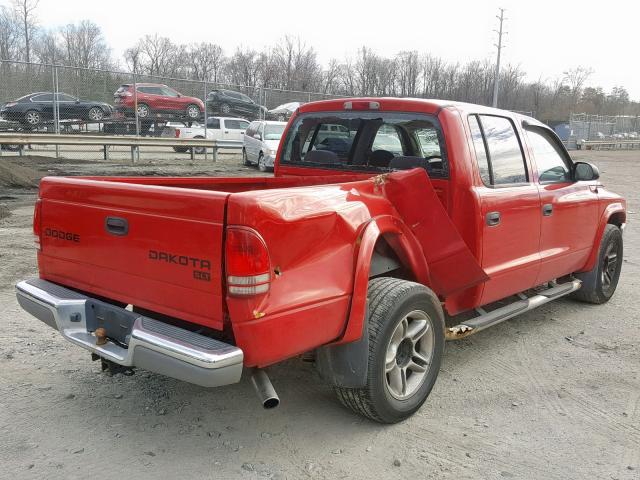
{"x":366,"y":141}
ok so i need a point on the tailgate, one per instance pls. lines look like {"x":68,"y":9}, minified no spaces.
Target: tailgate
{"x":159,"y":248}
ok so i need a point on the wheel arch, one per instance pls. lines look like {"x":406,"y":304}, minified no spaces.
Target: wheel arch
{"x":405,"y":250}
{"x":344,"y":362}
{"x":614,"y":214}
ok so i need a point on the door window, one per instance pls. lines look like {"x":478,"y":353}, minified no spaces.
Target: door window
{"x":168,"y":92}
{"x":251,"y":129}
{"x":213,"y":123}
{"x":506,"y":159}
{"x":63,"y":97}
{"x":550,"y":162}
{"x":232,"y":124}
{"x":45,"y":97}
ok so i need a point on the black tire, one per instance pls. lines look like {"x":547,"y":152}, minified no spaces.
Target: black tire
{"x":198,"y":150}
{"x":390,"y":300}
{"x":32,"y":118}
{"x":261,"y":165}
{"x":181,"y":149}
{"x":143,"y":110}
{"x":192,"y":112}
{"x":95,"y":114}
{"x":245,"y":159}
{"x":599,"y":284}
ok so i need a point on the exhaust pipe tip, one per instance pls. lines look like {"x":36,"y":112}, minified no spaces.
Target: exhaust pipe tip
{"x":266,"y":393}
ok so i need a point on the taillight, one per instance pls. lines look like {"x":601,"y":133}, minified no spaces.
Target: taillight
{"x":37,"y":217}
{"x":247,"y":262}
{"x":177,"y":130}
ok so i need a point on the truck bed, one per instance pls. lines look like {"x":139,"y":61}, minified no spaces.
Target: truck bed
{"x":170,"y":258}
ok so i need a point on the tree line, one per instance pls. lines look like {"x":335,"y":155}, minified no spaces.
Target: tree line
{"x":294,"y":65}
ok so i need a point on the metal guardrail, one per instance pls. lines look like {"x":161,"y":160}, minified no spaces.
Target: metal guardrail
{"x":21,"y":138}
{"x":609,"y":144}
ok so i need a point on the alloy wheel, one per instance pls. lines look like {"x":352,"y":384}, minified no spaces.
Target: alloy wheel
{"x":409,"y":355}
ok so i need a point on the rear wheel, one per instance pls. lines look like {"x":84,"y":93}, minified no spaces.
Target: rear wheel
{"x":225,"y":108}
{"x":406,"y":341}
{"x":599,"y":284}
{"x":181,"y":149}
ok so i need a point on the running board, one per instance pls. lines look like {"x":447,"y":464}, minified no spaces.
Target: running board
{"x":486,"y":320}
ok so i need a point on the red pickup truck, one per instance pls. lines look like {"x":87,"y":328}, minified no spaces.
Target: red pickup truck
{"x":391,"y":225}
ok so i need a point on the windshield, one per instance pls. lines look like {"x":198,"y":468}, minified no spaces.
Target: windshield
{"x":366,"y":141}
{"x":273,"y":132}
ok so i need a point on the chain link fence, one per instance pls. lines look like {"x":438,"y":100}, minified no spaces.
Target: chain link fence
{"x":583,"y":126}
{"x":61,"y":99}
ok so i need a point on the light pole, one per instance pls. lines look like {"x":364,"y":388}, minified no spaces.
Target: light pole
{"x":496,"y":83}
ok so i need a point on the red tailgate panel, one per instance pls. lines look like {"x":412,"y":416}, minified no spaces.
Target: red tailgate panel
{"x":169,"y":261}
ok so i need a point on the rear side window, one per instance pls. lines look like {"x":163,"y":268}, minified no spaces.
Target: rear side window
{"x":213,"y":123}
{"x":506,"y":159}
{"x":481,"y":150}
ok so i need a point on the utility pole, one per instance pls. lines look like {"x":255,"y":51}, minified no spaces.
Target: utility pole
{"x":496,"y":83}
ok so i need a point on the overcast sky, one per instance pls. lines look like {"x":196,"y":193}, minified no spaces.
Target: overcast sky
{"x":544,"y":37}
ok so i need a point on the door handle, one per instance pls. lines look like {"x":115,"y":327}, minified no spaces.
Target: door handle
{"x":547,"y":209}
{"x":493,"y":218}
{"x":116,"y":226}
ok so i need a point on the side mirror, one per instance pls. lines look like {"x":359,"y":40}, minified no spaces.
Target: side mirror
{"x":257,"y":136}
{"x":583,"y":171}
{"x":179,"y":95}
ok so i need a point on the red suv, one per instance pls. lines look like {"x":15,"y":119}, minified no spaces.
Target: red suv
{"x":155,"y":98}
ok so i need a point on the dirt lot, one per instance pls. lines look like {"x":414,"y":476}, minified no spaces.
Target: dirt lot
{"x":553,"y":394}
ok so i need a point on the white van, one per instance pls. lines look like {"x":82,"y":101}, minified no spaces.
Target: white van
{"x":261,"y":142}
{"x":218,"y":128}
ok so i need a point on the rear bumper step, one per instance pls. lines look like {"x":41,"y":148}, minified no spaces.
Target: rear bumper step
{"x":149,"y":344}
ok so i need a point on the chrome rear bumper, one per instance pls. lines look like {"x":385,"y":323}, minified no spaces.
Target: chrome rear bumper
{"x":152,"y":345}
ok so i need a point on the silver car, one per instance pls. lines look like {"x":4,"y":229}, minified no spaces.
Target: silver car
{"x":261,"y":140}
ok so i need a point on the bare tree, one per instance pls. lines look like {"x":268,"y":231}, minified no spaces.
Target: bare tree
{"x":84,"y":45}
{"x":25,"y":11}
{"x":9,"y":34}
{"x":576,"y":78}
{"x":206,"y":61}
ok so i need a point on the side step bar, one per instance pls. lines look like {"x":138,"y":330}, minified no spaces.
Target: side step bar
{"x":486,"y":320}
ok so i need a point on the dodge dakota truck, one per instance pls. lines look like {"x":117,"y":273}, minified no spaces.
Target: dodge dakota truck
{"x":390,"y":226}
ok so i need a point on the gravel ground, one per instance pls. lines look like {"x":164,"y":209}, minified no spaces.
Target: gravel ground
{"x":552,"y":394}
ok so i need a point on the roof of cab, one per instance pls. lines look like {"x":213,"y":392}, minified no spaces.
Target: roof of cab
{"x":422,"y":105}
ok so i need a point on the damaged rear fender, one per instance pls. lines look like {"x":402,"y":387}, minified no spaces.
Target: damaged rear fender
{"x":407,"y":249}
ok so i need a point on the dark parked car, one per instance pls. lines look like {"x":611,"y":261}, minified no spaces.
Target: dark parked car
{"x":36,"y":108}
{"x":228,"y":103}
